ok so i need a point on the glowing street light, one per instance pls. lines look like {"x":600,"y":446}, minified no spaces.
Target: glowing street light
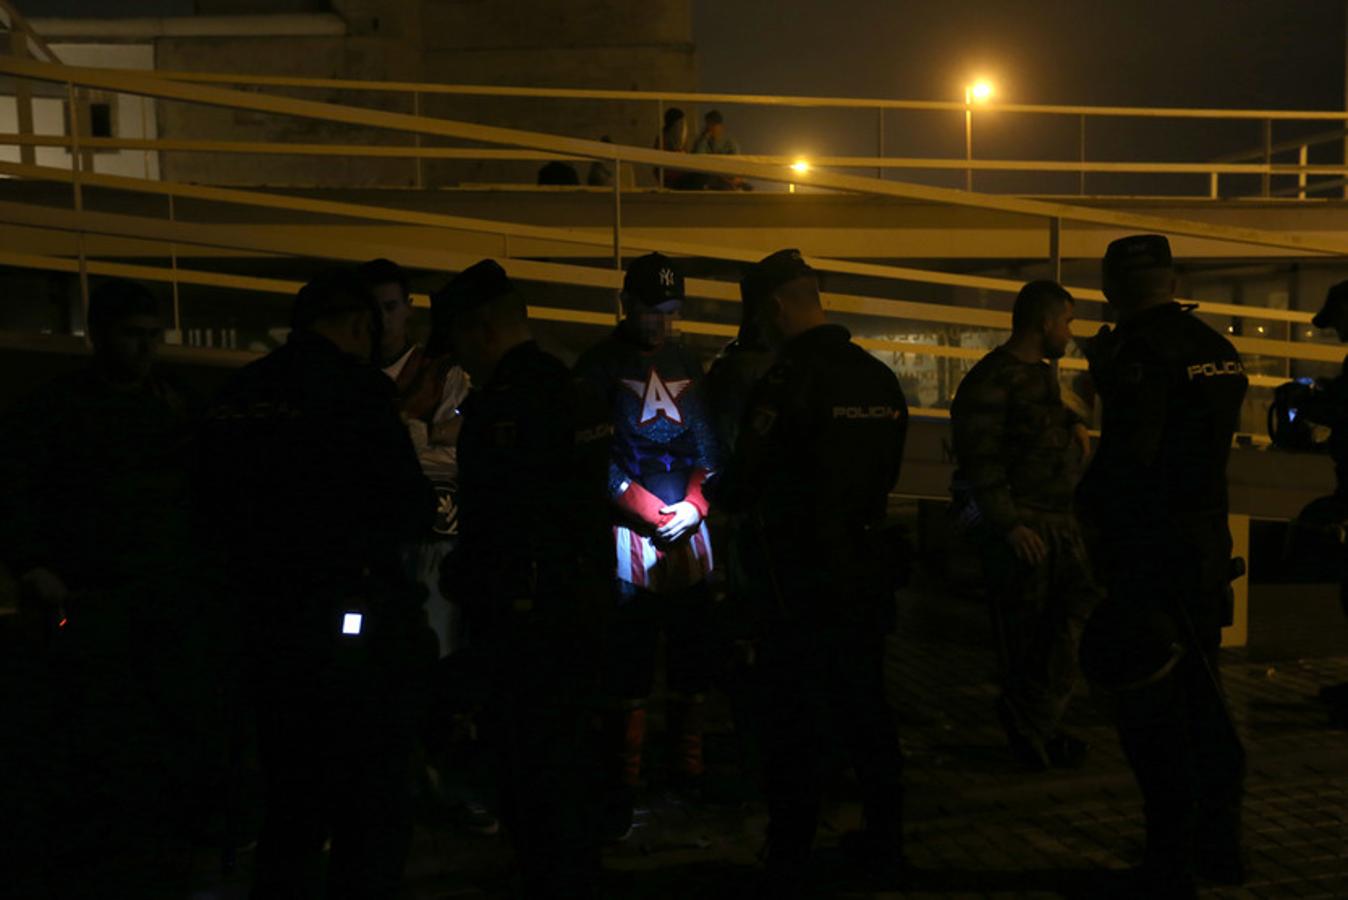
{"x":980,"y":91}
{"x":800,"y":167}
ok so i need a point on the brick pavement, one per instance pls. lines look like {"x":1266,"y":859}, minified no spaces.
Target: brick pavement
{"x":977,"y":827}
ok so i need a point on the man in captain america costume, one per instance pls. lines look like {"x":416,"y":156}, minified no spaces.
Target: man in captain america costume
{"x":664,"y":449}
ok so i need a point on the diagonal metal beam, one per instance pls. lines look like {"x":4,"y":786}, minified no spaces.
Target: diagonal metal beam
{"x":271,"y":200}
{"x":149,"y":85}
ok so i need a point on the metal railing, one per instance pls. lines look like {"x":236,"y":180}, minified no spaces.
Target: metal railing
{"x":179,"y":236}
{"x":1263,"y":165}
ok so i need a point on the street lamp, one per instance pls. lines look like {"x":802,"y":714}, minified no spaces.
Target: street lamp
{"x":980,"y":91}
{"x":800,"y":167}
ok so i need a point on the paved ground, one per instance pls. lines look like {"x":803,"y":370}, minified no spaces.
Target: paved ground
{"x":977,"y":827}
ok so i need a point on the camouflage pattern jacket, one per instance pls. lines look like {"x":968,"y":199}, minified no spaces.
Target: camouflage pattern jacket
{"x":1013,"y":440}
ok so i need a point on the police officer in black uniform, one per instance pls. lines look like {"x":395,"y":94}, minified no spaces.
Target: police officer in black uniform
{"x":1327,"y":405}
{"x":1155,"y":498}
{"x":818,"y":453}
{"x":532,"y":570}
{"x":312,"y":480}
{"x":739,"y":365}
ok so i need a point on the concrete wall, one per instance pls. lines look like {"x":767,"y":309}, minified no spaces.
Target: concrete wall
{"x":621,"y":44}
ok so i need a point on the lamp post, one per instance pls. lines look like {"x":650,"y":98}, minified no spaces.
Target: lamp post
{"x":978,"y":92}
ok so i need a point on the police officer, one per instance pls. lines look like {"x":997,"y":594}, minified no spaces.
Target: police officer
{"x":1020,"y":452}
{"x":1155,"y":497}
{"x":313,"y":482}
{"x":739,"y":365}
{"x":531,"y":570}
{"x":730,"y":380}
{"x":818,"y":453}
{"x":1329,"y":406}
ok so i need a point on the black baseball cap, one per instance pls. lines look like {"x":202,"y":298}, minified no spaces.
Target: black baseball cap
{"x":773,"y":271}
{"x":653,"y":279}
{"x":1334,"y":300}
{"x":1136,"y":253}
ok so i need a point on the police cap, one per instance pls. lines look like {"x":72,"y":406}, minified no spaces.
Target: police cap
{"x":775,"y":270}
{"x":1136,"y":253}
{"x":331,"y":292}
{"x":1334,"y":301}
{"x":119,"y":299}
{"x":471,"y":289}
{"x":653,"y":279}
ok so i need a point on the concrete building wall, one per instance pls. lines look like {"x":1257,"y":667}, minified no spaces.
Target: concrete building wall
{"x":129,"y":116}
{"x":619,"y":44}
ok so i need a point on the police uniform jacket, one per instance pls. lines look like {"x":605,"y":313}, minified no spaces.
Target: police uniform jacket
{"x":533,"y":518}
{"x":311,"y":479}
{"x":818,"y":453}
{"x":1172,"y":390}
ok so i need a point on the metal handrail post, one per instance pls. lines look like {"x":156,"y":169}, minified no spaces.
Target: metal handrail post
{"x":1081,"y":178}
{"x":880,"y":142}
{"x":1266,"y":179}
{"x":968,"y":138}
{"x":618,"y":229}
{"x":77,"y":200}
{"x":23,"y":98}
{"x":660,"y":140}
{"x":416,"y":111}
{"x":1055,"y":249}
{"x":173,"y":263}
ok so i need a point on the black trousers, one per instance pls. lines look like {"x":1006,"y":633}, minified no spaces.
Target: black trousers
{"x":1177,"y":732}
{"x":1188,"y":761}
{"x":817,"y":685}
{"x":335,"y":740}
{"x":537,"y":724}
{"x":633,"y":636}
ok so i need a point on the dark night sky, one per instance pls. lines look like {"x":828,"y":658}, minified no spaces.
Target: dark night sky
{"x":1218,"y":53}
{"x":1221,"y":53}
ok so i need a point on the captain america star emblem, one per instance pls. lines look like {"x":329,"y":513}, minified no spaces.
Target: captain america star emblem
{"x":659,"y":398}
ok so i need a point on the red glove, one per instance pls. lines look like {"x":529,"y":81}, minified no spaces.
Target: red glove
{"x":694,"y":494}
{"x":642,"y":504}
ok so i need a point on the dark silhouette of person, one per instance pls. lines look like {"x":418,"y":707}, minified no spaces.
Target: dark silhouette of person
{"x":118,"y":737}
{"x":558,"y":174}
{"x":664,"y":448}
{"x":530,"y":571}
{"x":818,"y":452}
{"x":1154,"y":500}
{"x":315,"y":487}
{"x":1021,"y":452}
{"x":1327,"y":405}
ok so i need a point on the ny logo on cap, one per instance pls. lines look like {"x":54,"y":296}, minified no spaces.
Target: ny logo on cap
{"x":667,"y":277}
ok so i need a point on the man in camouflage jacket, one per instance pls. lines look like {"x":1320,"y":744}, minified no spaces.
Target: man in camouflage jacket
{"x":1020,"y":452}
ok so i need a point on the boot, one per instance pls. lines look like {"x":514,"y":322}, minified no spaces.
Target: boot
{"x":685,"y":729}
{"x":624,"y":733}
